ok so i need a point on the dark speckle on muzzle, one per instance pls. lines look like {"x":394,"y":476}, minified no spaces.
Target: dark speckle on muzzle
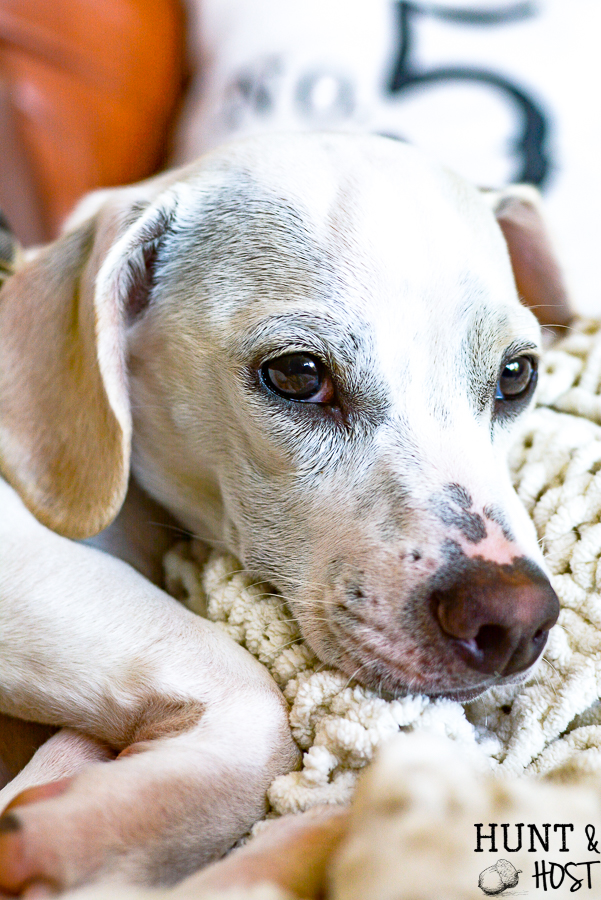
{"x":496,"y":618}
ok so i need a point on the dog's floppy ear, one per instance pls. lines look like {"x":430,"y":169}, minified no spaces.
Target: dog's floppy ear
{"x":65,"y":424}
{"x":538,"y":275}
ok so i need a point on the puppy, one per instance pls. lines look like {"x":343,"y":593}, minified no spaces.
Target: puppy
{"x":308,"y":349}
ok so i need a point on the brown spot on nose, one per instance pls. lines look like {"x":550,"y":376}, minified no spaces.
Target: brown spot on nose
{"x":497,"y":617}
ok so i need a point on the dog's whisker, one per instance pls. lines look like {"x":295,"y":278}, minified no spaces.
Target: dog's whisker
{"x":549,"y":663}
{"x":563,"y":628}
{"x":211,"y":544}
{"x":354,"y":675}
{"x":171,"y":526}
{"x":555,"y":672}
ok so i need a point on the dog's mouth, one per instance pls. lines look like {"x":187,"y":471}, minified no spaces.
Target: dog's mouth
{"x":452,"y":638}
{"x":381,"y":665}
{"x":398,"y":667}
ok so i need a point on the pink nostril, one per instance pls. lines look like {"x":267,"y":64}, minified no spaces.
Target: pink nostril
{"x":497,"y":617}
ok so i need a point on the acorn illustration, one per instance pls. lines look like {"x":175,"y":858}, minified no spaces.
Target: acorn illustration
{"x":499,"y":877}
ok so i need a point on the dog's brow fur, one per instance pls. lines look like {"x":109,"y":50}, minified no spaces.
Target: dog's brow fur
{"x":246,"y":228}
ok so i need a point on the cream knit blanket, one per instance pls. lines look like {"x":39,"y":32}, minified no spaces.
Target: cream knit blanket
{"x":551,"y":724}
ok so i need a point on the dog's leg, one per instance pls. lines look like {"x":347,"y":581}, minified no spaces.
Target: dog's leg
{"x":200,"y":727}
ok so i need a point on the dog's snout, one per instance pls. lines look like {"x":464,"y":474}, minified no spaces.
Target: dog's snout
{"x":497,"y":617}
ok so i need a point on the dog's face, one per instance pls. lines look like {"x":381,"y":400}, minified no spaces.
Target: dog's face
{"x":325,"y":367}
{"x":340,"y":355}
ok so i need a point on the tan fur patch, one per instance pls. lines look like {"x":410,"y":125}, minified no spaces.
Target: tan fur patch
{"x":154,"y":717}
{"x":165,"y":718}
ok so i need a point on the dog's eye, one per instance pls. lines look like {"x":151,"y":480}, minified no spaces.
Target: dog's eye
{"x":298,"y":376}
{"x":517,"y":378}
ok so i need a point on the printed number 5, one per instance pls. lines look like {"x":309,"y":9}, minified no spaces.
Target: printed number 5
{"x":531,"y":143}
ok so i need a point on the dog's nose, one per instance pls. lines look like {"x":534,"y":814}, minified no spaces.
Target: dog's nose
{"x":497,"y":617}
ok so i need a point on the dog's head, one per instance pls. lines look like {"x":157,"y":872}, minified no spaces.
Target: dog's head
{"x":319,"y":342}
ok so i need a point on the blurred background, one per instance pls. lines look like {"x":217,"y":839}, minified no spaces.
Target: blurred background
{"x":97,"y":93}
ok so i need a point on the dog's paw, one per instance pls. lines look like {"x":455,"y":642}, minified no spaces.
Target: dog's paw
{"x":147,"y":818}
{"x":94,"y":825}
{"x":29,"y":863}
{"x":20,"y":868}
{"x":105,"y":823}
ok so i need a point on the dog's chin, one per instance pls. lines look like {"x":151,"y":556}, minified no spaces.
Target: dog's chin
{"x":389,"y":689}
{"x":461,"y":695}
